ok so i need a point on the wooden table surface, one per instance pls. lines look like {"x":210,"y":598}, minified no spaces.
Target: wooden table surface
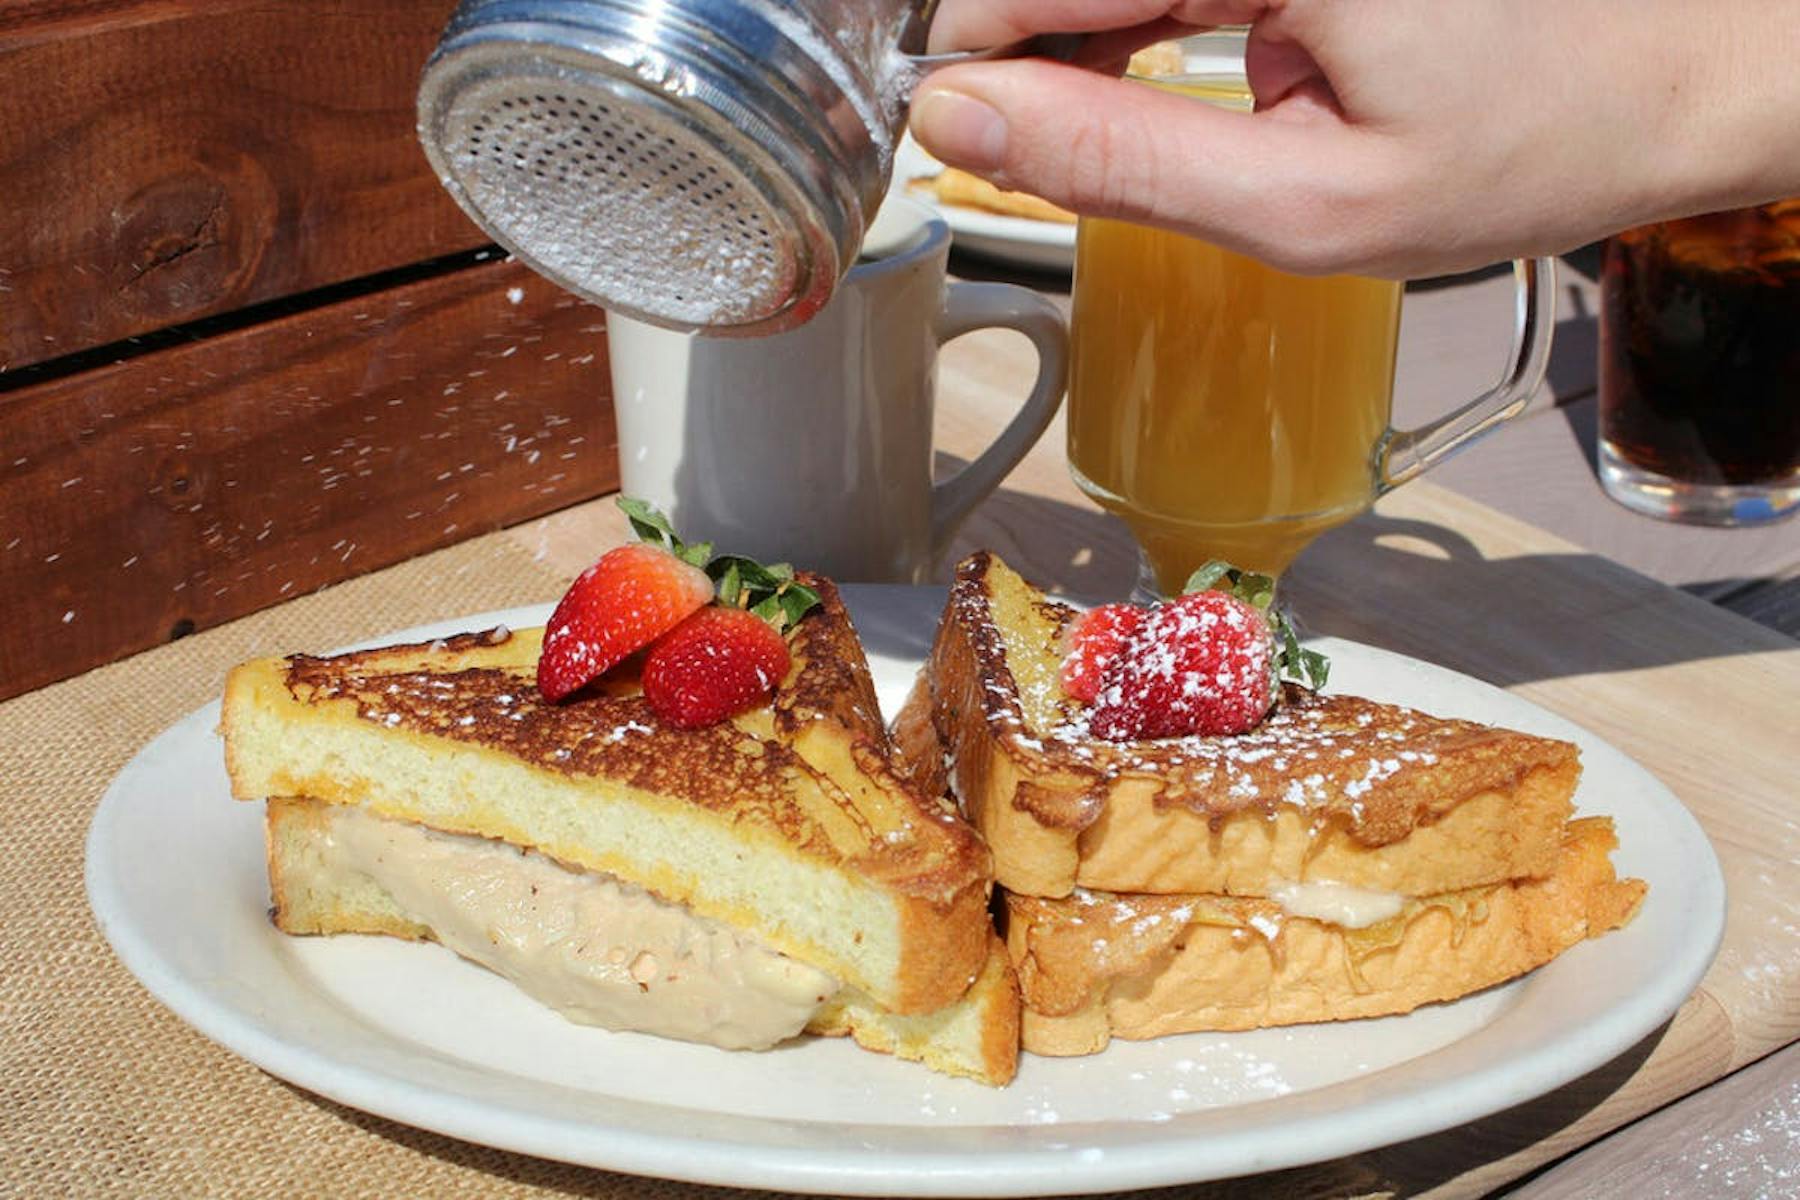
{"x":1583,"y":621}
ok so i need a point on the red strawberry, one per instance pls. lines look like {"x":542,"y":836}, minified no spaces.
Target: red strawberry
{"x":628,"y":599}
{"x":1200,"y":663}
{"x":1092,"y":640}
{"x":718,"y":662}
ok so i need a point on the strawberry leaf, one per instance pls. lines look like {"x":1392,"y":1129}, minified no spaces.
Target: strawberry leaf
{"x":1207,"y":575}
{"x":769,"y":591}
{"x":650,"y":525}
{"x":1258,"y":591}
{"x":796,"y":601}
{"x":735,"y":574}
{"x":647,"y":522}
{"x":729,"y":584}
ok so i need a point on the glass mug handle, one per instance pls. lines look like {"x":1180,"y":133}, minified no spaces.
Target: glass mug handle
{"x":1408,"y":453}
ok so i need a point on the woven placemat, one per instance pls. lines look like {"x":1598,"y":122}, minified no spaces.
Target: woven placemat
{"x":102,"y":1090}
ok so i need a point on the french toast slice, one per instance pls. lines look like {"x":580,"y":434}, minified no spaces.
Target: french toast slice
{"x":318,"y":888}
{"x":1095,"y":965}
{"x":788,"y":823}
{"x":1329,"y":787}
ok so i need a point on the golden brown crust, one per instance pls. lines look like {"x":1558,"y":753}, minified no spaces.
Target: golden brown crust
{"x":1099,"y":965}
{"x":918,"y":754}
{"x":830,"y":677}
{"x":828,"y":712}
{"x":805,"y":781}
{"x":976,"y":1037}
{"x":1037,"y":783}
{"x":493,"y":704}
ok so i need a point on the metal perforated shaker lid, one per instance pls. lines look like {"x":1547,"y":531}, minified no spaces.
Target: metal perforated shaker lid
{"x":704,"y":164}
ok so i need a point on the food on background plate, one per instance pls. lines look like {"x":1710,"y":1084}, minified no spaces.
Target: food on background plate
{"x":720,"y":864}
{"x":1327,"y":857}
{"x":1157,"y":59}
{"x":952,"y":185}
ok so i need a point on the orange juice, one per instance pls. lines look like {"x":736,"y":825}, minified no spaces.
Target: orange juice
{"x":1223,"y":408}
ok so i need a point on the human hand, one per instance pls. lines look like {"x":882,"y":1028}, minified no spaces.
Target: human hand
{"x":1391,"y":137}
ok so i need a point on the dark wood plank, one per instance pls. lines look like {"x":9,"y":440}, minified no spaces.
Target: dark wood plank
{"x":165,"y":161}
{"x":185,"y":487}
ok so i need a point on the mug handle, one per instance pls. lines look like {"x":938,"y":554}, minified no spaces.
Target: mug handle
{"x":1407,"y":453}
{"x":972,"y":306}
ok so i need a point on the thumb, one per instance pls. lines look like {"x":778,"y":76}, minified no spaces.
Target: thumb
{"x":1301,"y":195}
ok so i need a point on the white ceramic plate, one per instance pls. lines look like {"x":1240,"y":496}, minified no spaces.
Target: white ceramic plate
{"x":1019,"y":241}
{"x":175,"y":876}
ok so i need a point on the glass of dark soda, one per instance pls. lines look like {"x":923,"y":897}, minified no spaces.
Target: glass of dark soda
{"x":1700,"y":367}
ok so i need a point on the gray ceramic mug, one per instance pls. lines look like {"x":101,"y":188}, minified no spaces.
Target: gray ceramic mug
{"x":814,"y":446}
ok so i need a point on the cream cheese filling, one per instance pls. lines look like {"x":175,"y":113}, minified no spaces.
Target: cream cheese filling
{"x":594,"y":948}
{"x":1337,"y":903}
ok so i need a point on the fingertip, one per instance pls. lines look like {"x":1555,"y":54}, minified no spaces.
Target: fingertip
{"x":1091,"y":143}
{"x":959,"y":128}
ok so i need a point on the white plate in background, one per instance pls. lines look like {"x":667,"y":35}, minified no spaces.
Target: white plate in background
{"x":1017,"y":241}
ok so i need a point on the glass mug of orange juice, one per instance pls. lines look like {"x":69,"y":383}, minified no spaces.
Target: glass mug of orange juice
{"x":1228,"y":410}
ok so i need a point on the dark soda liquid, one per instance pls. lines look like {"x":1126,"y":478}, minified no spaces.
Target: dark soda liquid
{"x":1700,"y":347}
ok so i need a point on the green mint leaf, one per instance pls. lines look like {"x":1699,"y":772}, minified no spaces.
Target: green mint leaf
{"x":771,"y":611}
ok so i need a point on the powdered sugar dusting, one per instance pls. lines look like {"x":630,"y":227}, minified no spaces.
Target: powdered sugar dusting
{"x":1332,"y":754}
{"x":1200,"y":661}
{"x":1304,"y":730}
{"x":1739,"y":1138}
